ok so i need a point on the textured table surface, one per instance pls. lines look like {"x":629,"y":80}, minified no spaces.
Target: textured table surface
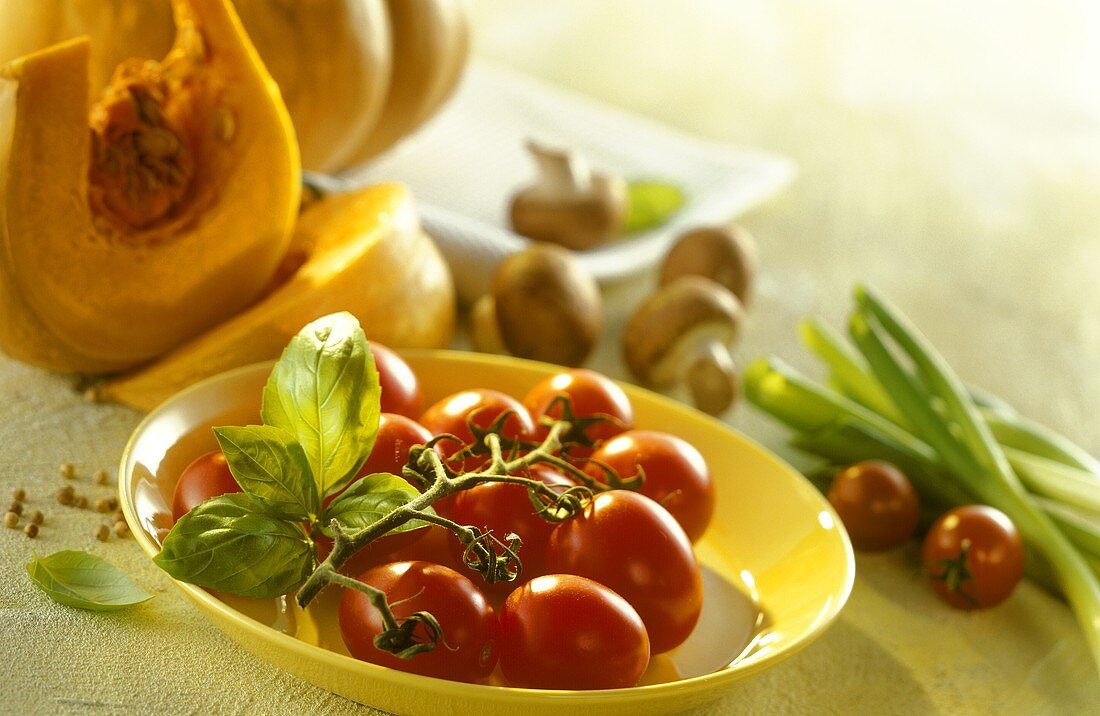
{"x":952,"y":165}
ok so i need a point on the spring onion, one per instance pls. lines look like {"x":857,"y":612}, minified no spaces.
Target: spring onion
{"x":890,"y":395}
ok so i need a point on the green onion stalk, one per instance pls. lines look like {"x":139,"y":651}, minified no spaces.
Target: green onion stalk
{"x":890,"y":395}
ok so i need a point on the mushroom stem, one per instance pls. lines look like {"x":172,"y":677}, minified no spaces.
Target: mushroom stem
{"x":712,"y":378}
{"x":560,"y":169}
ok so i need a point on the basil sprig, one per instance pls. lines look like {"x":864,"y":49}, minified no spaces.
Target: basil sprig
{"x":324,"y":391}
{"x":320,"y":409}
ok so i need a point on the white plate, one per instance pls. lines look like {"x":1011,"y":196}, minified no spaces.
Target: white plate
{"x":466,"y":163}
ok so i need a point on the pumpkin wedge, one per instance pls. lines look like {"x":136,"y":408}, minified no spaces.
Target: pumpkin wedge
{"x":131,"y":224}
{"x":365,"y":253}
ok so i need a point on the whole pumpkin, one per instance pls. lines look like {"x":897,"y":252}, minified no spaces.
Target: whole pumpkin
{"x":356,"y":75}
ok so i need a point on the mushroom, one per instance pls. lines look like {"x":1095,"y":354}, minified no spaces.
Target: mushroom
{"x":726,"y":254}
{"x":683,"y":333}
{"x":569,"y":204}
{"x":542,"y":305}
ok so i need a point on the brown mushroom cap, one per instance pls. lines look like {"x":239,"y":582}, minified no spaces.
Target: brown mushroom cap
{"x":673,"y":324}
{"x":726,"y":254}
{"x":547,"y":306}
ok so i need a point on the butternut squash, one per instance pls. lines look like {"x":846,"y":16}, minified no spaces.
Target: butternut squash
{"x":366,"y":254}
{"x":129,"y":229}
{"x":356,"y":75}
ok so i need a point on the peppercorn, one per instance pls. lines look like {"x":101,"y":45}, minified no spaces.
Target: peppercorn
{"x":31,"y":530}
{"x":19,"y":494}
{"x":101,"y":477}
{"x":80,"y":501}
{"x":67,"y":471}
{"x":102,"y":506}
{"x":16,"y":507}
{"x":65,"y":495}
{"x":37,"y":517}
{"x":112,"y":503}
{"x":122,"y":529}
{"x":11,"y":520}
{"x":118,"y":516}
{"x":103,"y":533}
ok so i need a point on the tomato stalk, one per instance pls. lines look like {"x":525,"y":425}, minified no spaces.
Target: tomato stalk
{"x":442,"y":482}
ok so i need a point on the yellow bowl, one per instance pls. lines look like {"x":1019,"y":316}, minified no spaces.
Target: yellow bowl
{"x":778,"y":565}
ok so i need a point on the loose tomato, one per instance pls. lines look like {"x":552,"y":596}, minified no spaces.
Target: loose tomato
{"x":876,"y":503}
{"x":675,"y":474}
{"x":567,"y":632}
{"x":400,"y":388}
{"x":467,"y":649}
{"x":632,"y":545}
{"x":502,"y":509}
{"x":590,"y":394}
{"x":482,"y":407}
{"x":208,"y":476}
{"x":974,"y":556}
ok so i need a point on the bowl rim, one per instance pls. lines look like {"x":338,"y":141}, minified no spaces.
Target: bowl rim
{"x":695,"y":684}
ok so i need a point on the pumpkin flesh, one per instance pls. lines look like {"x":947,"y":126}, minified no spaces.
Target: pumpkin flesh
{"x":131,"y":227}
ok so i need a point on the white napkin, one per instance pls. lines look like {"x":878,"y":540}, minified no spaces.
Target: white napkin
{"x":466,"y":163}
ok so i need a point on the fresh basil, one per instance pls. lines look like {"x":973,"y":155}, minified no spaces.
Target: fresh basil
{"x":324,"y":390}
{"x":369,"y":500}
{"x":82,"y":580}
{"x":270,"y":464}
{"x":650,"y":204}
{"x":231,"y":544}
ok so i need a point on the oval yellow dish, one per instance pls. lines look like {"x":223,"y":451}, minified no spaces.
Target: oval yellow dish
{"x":777,"y":565}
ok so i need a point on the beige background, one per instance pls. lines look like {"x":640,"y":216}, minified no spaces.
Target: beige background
{"x":949,"y":153}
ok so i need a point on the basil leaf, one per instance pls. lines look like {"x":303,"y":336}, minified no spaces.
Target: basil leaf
{"x":369,"y":500}
{"x":82,"y":580}
{"x":228,"y":543}
{"x":269,"y":463}
{"x":324,"y":391}
{"x":650,"y":204}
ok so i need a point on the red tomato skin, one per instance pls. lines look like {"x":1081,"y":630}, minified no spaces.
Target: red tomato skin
{"x":207,"y":476}
{"x":877,"y":504}
{"x":996,"y":555}
{"x":396,"y":436}
{"x":567,"y":632}
{"x":400,"y":387}
{"x":502,"y":509}
{"x":676,"y":475}
{"x":633,"y":546}
{"x":591,"y":394}
{"x":470,"y":627}
{"x":450,"y":415}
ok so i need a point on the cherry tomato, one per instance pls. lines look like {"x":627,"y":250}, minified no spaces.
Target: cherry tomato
{"x":396,"y":434}
{"x":590,"y":394}
{"x":467,"y":650}
{"x":208,"y":476}
{"x":435,"y":547}
{"x":676,"y":475}
{"x":632,"y":545}
{"x":566,"y":632}
{"x":482,"y":406}
{"x":400,"y":388}
{"x":876,"y":503}
{"x":503,"y":509}
{"x":974,"y":556}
